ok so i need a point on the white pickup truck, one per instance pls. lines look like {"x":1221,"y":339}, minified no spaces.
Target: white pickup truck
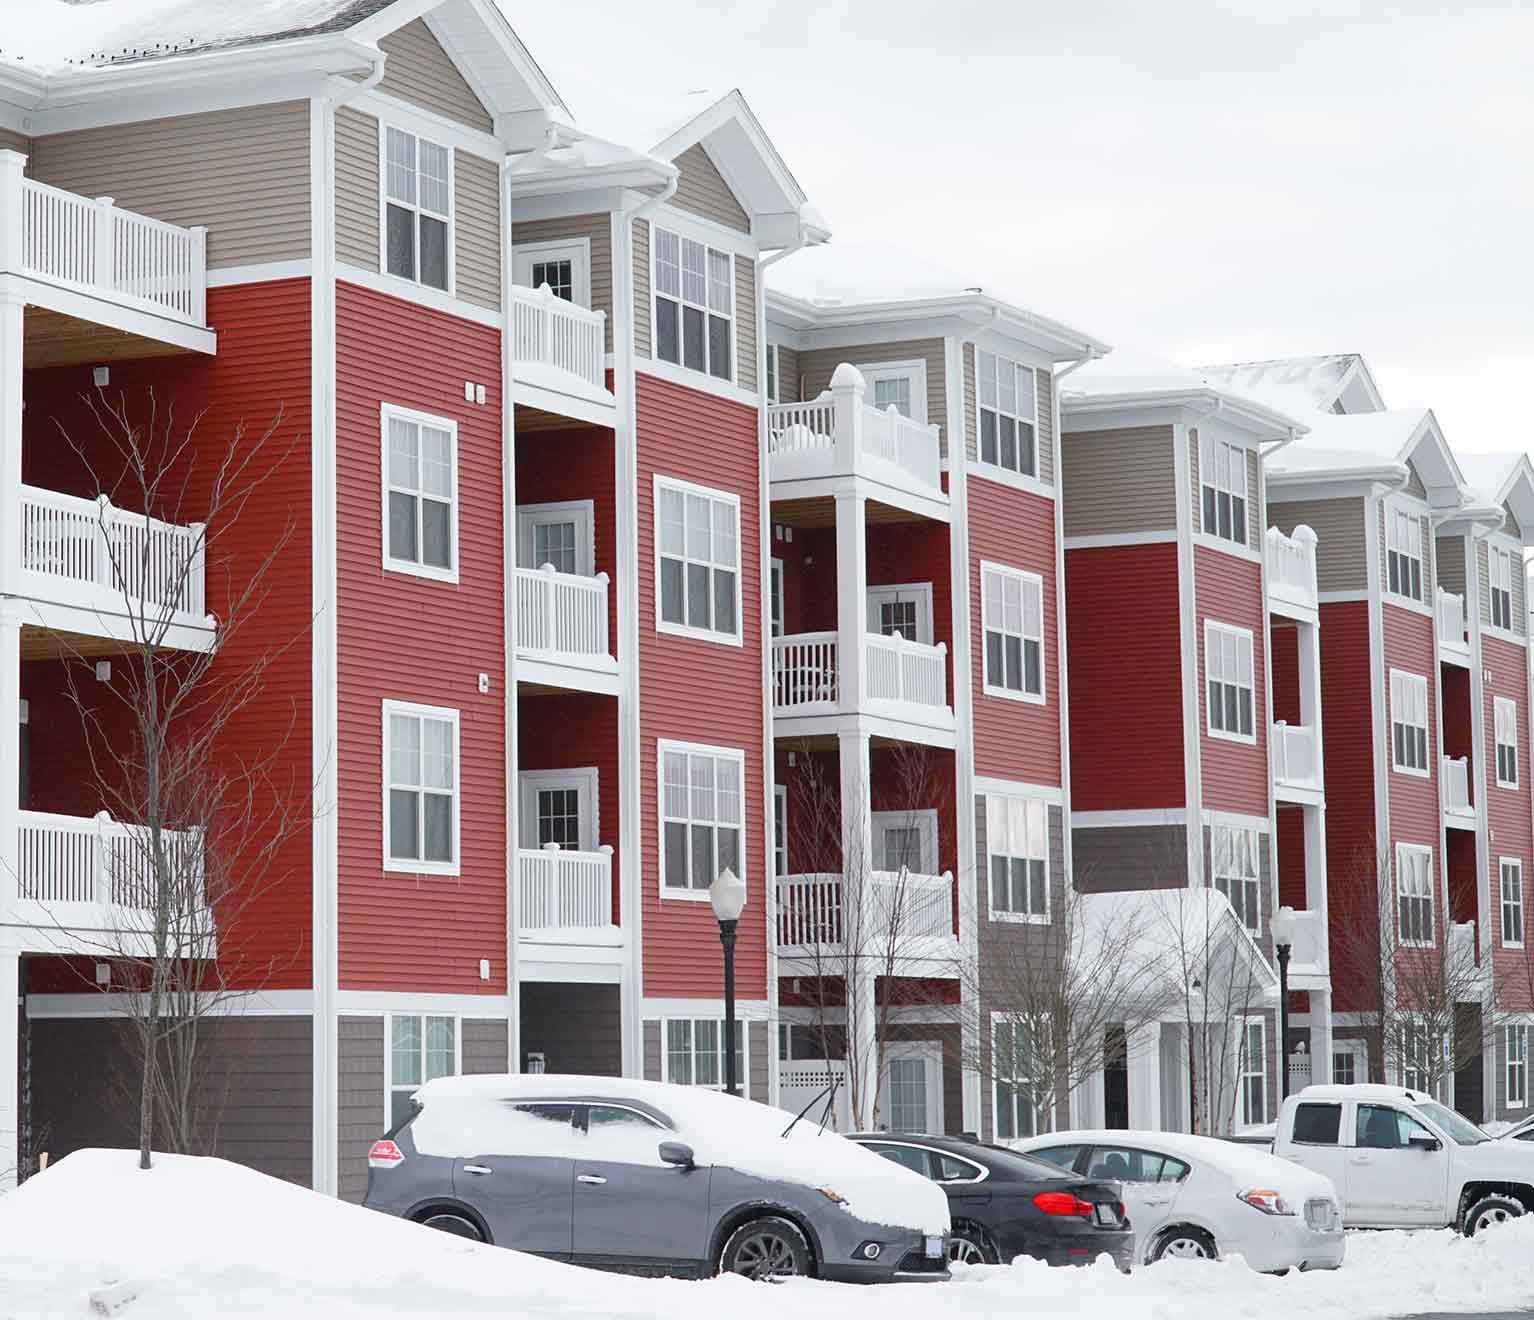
{"x":1400,"y":1159}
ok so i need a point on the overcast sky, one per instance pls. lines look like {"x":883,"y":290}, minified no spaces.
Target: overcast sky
{"x":1207,"y":181}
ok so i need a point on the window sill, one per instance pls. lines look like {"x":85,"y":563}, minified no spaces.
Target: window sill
{"x":427,"y":574}
{"x":1511,"y":788}
{"x":393,"y":867}
{"x":698,"y":634}
{"x":1242,"y":739}
{"x":669,"y":893}
{"x":1237,"y":549}
{"x":696,"y":380}
{"x":1409,"y":771}
{"x":1418,"y":944}
{"x":1007,"y":694}
{"x":1015,"y":480}
{"x":1021,"y":918}
{"x":1404,"y":602}
{"x":1512,"y":944}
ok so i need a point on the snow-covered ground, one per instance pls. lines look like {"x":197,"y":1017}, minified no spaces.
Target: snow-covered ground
{"x":202,"y":1238}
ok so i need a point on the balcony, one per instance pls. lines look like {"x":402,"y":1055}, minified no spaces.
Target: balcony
{"x":1291,"y":571}
{"x":1296,"y":762}
{"x":562,"y":631}
{"x":1453,"y":643}
{"x":1309,"y":957}
{"x":564,"y":894}
{"x":1454,"y":786}
{"x":559,"y":352}
{"x":902,"y":680}
{"x":907,"y":917}
{"x":1465,"y":968}
{"x":838,"y":436}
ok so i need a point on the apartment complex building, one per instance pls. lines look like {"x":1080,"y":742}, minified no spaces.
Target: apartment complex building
{"x":615,"y":560}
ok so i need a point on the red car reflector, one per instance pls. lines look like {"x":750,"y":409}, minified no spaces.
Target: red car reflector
{"x":385,"y":1155}
{"x":1062,"y":1203}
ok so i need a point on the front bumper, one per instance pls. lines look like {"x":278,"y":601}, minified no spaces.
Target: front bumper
{"x":902,"y":1260}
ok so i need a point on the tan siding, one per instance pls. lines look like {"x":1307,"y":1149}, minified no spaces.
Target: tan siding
{"x":1429,"y":572}
{"x":1380,"y":546}
{"x":419,"y":71}
{"x":1414,"y":484}
{"x":1045,"y":384}
{"x":1195,"y":496}
{"x":651,"y":1051}
{"x":477,"y":221}
{"x":357,"y":238}
{"x":244,"y":173}
{"x":703,"y":191}
{"x":816,"y":366}
{"x":1253,"y":503}
{"x":10,"y":141}
{"x":971,"y":414}
{"x":1511,"y":526}
{"x":1483,"y":580}
{"x":641,"y":246}
{"x":1341,"y":563}
{"x":1119,"y":481}
{"x":484,"y":1046}
{"x":745,"y":322}
{"x":597,"y":230}
{"x":788,"y":375}
{"x":1451,"y":564}
{"x":362,"y":1117}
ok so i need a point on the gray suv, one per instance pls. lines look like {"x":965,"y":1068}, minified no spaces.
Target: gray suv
{"x":600,"y":1172}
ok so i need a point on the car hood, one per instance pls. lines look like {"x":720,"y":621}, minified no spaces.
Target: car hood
{"x":1497,"y":1156}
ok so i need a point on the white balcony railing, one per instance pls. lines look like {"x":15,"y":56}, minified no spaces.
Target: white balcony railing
{"x":910,"y":446}
{"x":899,"y":670}
{"x":1449,"y":607}
{"x":88,"y":552}
{"x":92,"y":246}
{"x":811,"y":910}
{"x":1308,"y":954}
{"x":805,"y":675}
{"x":68,"y":860}
{"x":562,"y":616}
{"x":1464,"y":955}
{"x":804,"y":671}
{"x":558,"y":889}
{"x":1455,"y":784}
{"x":550,"y":331}
{"x":1295,"y":759}
{"x":1291,"y":565}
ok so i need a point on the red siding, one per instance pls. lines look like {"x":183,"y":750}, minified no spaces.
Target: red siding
{"x":700,"y":691}
{"x":1508,"y":810}
{"x":1284,"y":653}
{"x":1291,"y":856}
{"x":1415,"y":814}
{"x":1126,"y":727}
{"x":407,"y":639}
{"x":1234,"y":774}
{"x":1459,"y":719}
{"x":1015,"y":739}
{"x":913,"y":552}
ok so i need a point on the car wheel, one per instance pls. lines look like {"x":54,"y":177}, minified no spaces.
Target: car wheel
{"x":1489,"y":1210}
{"x":968,"y":1246}
{"x":447,"y":1221}
{"x":770,"y":1248}
{"x":1184,"y":1243}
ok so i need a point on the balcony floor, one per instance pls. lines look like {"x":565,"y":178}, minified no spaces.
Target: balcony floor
{"x":55,"y":339}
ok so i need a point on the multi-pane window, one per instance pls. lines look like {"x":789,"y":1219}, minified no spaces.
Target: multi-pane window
{"x":780,"y":830}
{"x":902,"y":851}
{"x":1017,"y":846}
{"x":1417,"y":1055}
{"x":1505,"y":720}
{"x":1344,"y":1068}
{"x":1511,"y":871}
{"x":422,"y":515}
{"x":418,"y":204}
{"x":1222,"y":489}
{"x":554,"y":543}
{"x":897,"y":618}
{"x":774,"y":394}
{"x":695,"y":1052}
{"x":1236,"y":872}
{"x":1009,"y":415}
{"x":1019,"y":1111}
{"x":1403,"y":553}
{"x":907,"y":1084}
{"x":558,"y":274}
{"x":1231,"y":682}
{"x":1408,"y":722}
{"x":559,"y":817}
{"x":421,"y":773}
{"x":1414,"y":894}
{"x":1012,"y":610}
{"x":701,"y":796}
{"x":694,"y":305}
{"x":1516,"y":1042}
{"x":1254,"y":1072}
{"x":699,"y":551}
{"x":421,"y":1049}
{"x":775,"y":598}
{"x":1501,"y":562}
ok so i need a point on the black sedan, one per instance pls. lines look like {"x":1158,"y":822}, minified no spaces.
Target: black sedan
{"x":1005,"y":1205}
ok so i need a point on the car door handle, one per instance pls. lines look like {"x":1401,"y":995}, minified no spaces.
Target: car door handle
{"x":1362,"y":1159}
{"x":591,"y":1179}
{"x":477,"y":1168}
{"x":1158,"y":1200}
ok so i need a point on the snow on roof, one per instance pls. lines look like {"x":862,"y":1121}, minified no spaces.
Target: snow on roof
{"x":1311,"y":383}
{"x":1244,"y":1163}
{"x":1487,"y":474}
{"x":59,"y":33}
{"x":457,"y":1112}
{"x":1336,"y":445}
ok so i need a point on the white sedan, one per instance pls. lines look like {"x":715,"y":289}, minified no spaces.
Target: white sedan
{"x":1204,"y":1198}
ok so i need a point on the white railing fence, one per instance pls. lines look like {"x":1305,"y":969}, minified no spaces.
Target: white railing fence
{"x":796,"y":427}
{"x":1294,"y":753}
{"x":72,"y":859}
{"x":804,"y":670}
{"x":914,"y":906}
{"x":1456,"y":782}
{"x":559,"y":889}
{"x":1450,"y":610}
{"x":561,"y":613}
{"x":550,"y":330}
{"x":899,"y":670}
{"x":811,"y":909}
{"x":909,"y":445}
{"x":1292,"y":562}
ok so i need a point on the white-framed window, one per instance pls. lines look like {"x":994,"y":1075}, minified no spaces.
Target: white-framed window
{"x":1020,"y":1111}
{"x":1222,"y":489}
{"x":420,"y":788}
{"x":1017,"y":856}
{"x":421,"y":1049}
{"x":1505,"y":719}
{"x":775,"y":597}
{"x":1012,"y":618}
{"x":1344,"y":1068}
{"x":418,"y":209}
{"x":1235,"y":865}
{"x":1403,"y":552}
{"x":1510,"y":871}
{"x":898,"y":385}
{"x":1231,"y":683}
{"x":774,"y":390}
{"x":702,"y":821}
{"x":780,"y":830}
{"x":905,"y":839}
{"x":561,"y":534}
{"x":1254,"y":1071}
{"x":1414,"y":894}
{"x":693,"y":1052}
{"x":1408,"y":723}
{"x":564,"y":265}
{"x":697,"y":561}
{"x":1501,"y":566}
{"x":901,"y":611}
{"x":1417,"y":1048}
{"x":1515,"y":1038}
{"x":420,"y":513}
{"x":694,"y":304}
{"x":559,"y":807}
{"x":1009,"y":415}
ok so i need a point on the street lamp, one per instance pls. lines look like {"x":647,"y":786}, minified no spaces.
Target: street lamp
{"x":1283,"y":925}
{"x":728,"y":896}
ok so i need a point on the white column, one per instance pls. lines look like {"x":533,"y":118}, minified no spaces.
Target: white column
{"x":10,"y":1061}
{"x":857,"y":914}
{"x":851,"y":598}
{"x":1144,"y":1051}
{"x":12,"y":311}
{"x":1321,"y":1036}
{"x":10,"y":959}
{"x":1087,"y":1102}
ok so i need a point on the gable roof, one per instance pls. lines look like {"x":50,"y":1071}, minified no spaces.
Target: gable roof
{"x":1327,"y":382}
{"x":1505,"y":480}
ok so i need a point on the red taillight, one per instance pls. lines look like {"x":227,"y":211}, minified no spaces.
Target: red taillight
{"x":1062,"y":1203}
{"x":385,"y":1155}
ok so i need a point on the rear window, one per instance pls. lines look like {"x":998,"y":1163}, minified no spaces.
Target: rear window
{"x":1128,"y":1164}
{"x":910,"y":1156}
{"x":1317,"y":1125}
{"x":1063,"y":1157}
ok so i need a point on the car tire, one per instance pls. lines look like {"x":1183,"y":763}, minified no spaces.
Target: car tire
{"x":1183,"y":1242}
{"x":970,"y":1246}
{"x":1496,"y":1208}
{"x":768,"y":1248}
{"x":450,"y":1221}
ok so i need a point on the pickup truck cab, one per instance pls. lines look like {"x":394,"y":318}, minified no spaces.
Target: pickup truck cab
{"x":1400,"y":1159}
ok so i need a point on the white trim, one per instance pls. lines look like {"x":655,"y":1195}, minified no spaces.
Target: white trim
{"x":913,"y":370}
{"x":1499,"y":704}
{"x":1027,"y":579}
{"x":1236,"y":820}
{"x":1502,"y":904}
{"x":1244,"y":638}
{"x":425,"y":123}
{"x":779,"y":840}
{"x":260,"y":273}
{"x":1037,"y":851}
{"x":585,"y":780}
{"x":376,"y":1003}
{"x":696,"y":380}
{"x":393,"y":412}
{"x":1213,"y":437}
{"x":735,"y":754}
{"x":1413,"y":511}
{"x":1097,"y":820}
{"x":653,"y":1008}
{"x":1221,"y":547}
{"x":890,"y":593}
{"x":580,"y":512}
{"x":660,"y":481}
{"x":1018,"y":416}
{"x":777,"y":587}
{"x":1013,"y":480}
{"x":1357,"y":1050}
{"x":1336,"y":597}
{"x":711,"y":248}
{"x":930,"y":1053}
{"x":1522,"y":1028}
{"x":1405,"y":675}
{"x":578,"y":249}
{"x":743,"y":1080}
{"x":703,"y":230}
{"x":1051,"y":793}
{"x":1164,"y":537}
{"x":440,"y":714}
{"x":1261,"y":1071}
{"x":1417,"y":850}
{"x":390,"y":1087}
{"x":922,"y":819}
{"x":421,"y":294}
{"x":450,"y":218}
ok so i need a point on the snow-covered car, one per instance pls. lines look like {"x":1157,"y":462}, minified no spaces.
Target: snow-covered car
{"x":1400,"y":1159}
{"x":1523,"y":1131}
{"x":652,"y":1178}
{"x":1205,"y":1198}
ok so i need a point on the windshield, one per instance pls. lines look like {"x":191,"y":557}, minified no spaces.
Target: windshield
{"x":1464,"y":1132}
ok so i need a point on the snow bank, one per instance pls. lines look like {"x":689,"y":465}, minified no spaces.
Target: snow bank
{"x":467,"y":1116}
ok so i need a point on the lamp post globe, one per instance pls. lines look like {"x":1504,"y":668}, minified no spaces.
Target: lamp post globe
{"x":727,"y":896}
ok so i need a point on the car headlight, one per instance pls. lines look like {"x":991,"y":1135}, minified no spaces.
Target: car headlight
{"x":832,"y":1195}
{"x":1266,"y":1200}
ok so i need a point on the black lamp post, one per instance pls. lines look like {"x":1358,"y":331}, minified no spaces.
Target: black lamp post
{"x":728,"y":896}
{"x":1283,"y":946}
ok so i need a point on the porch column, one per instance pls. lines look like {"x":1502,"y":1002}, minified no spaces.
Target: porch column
{"x":857,"y":913}
{"x":851,"y":598}
{"x":1143,"y":1047}
{"x":1087,"y":1102}
{"x":10,"y":1060}
{"x":12,"y":311}
{"x":1321,"y":1036}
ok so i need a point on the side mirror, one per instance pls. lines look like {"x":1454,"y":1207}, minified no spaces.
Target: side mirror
{"x":1423,"y":1142}
{"x":678,"y":1153}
